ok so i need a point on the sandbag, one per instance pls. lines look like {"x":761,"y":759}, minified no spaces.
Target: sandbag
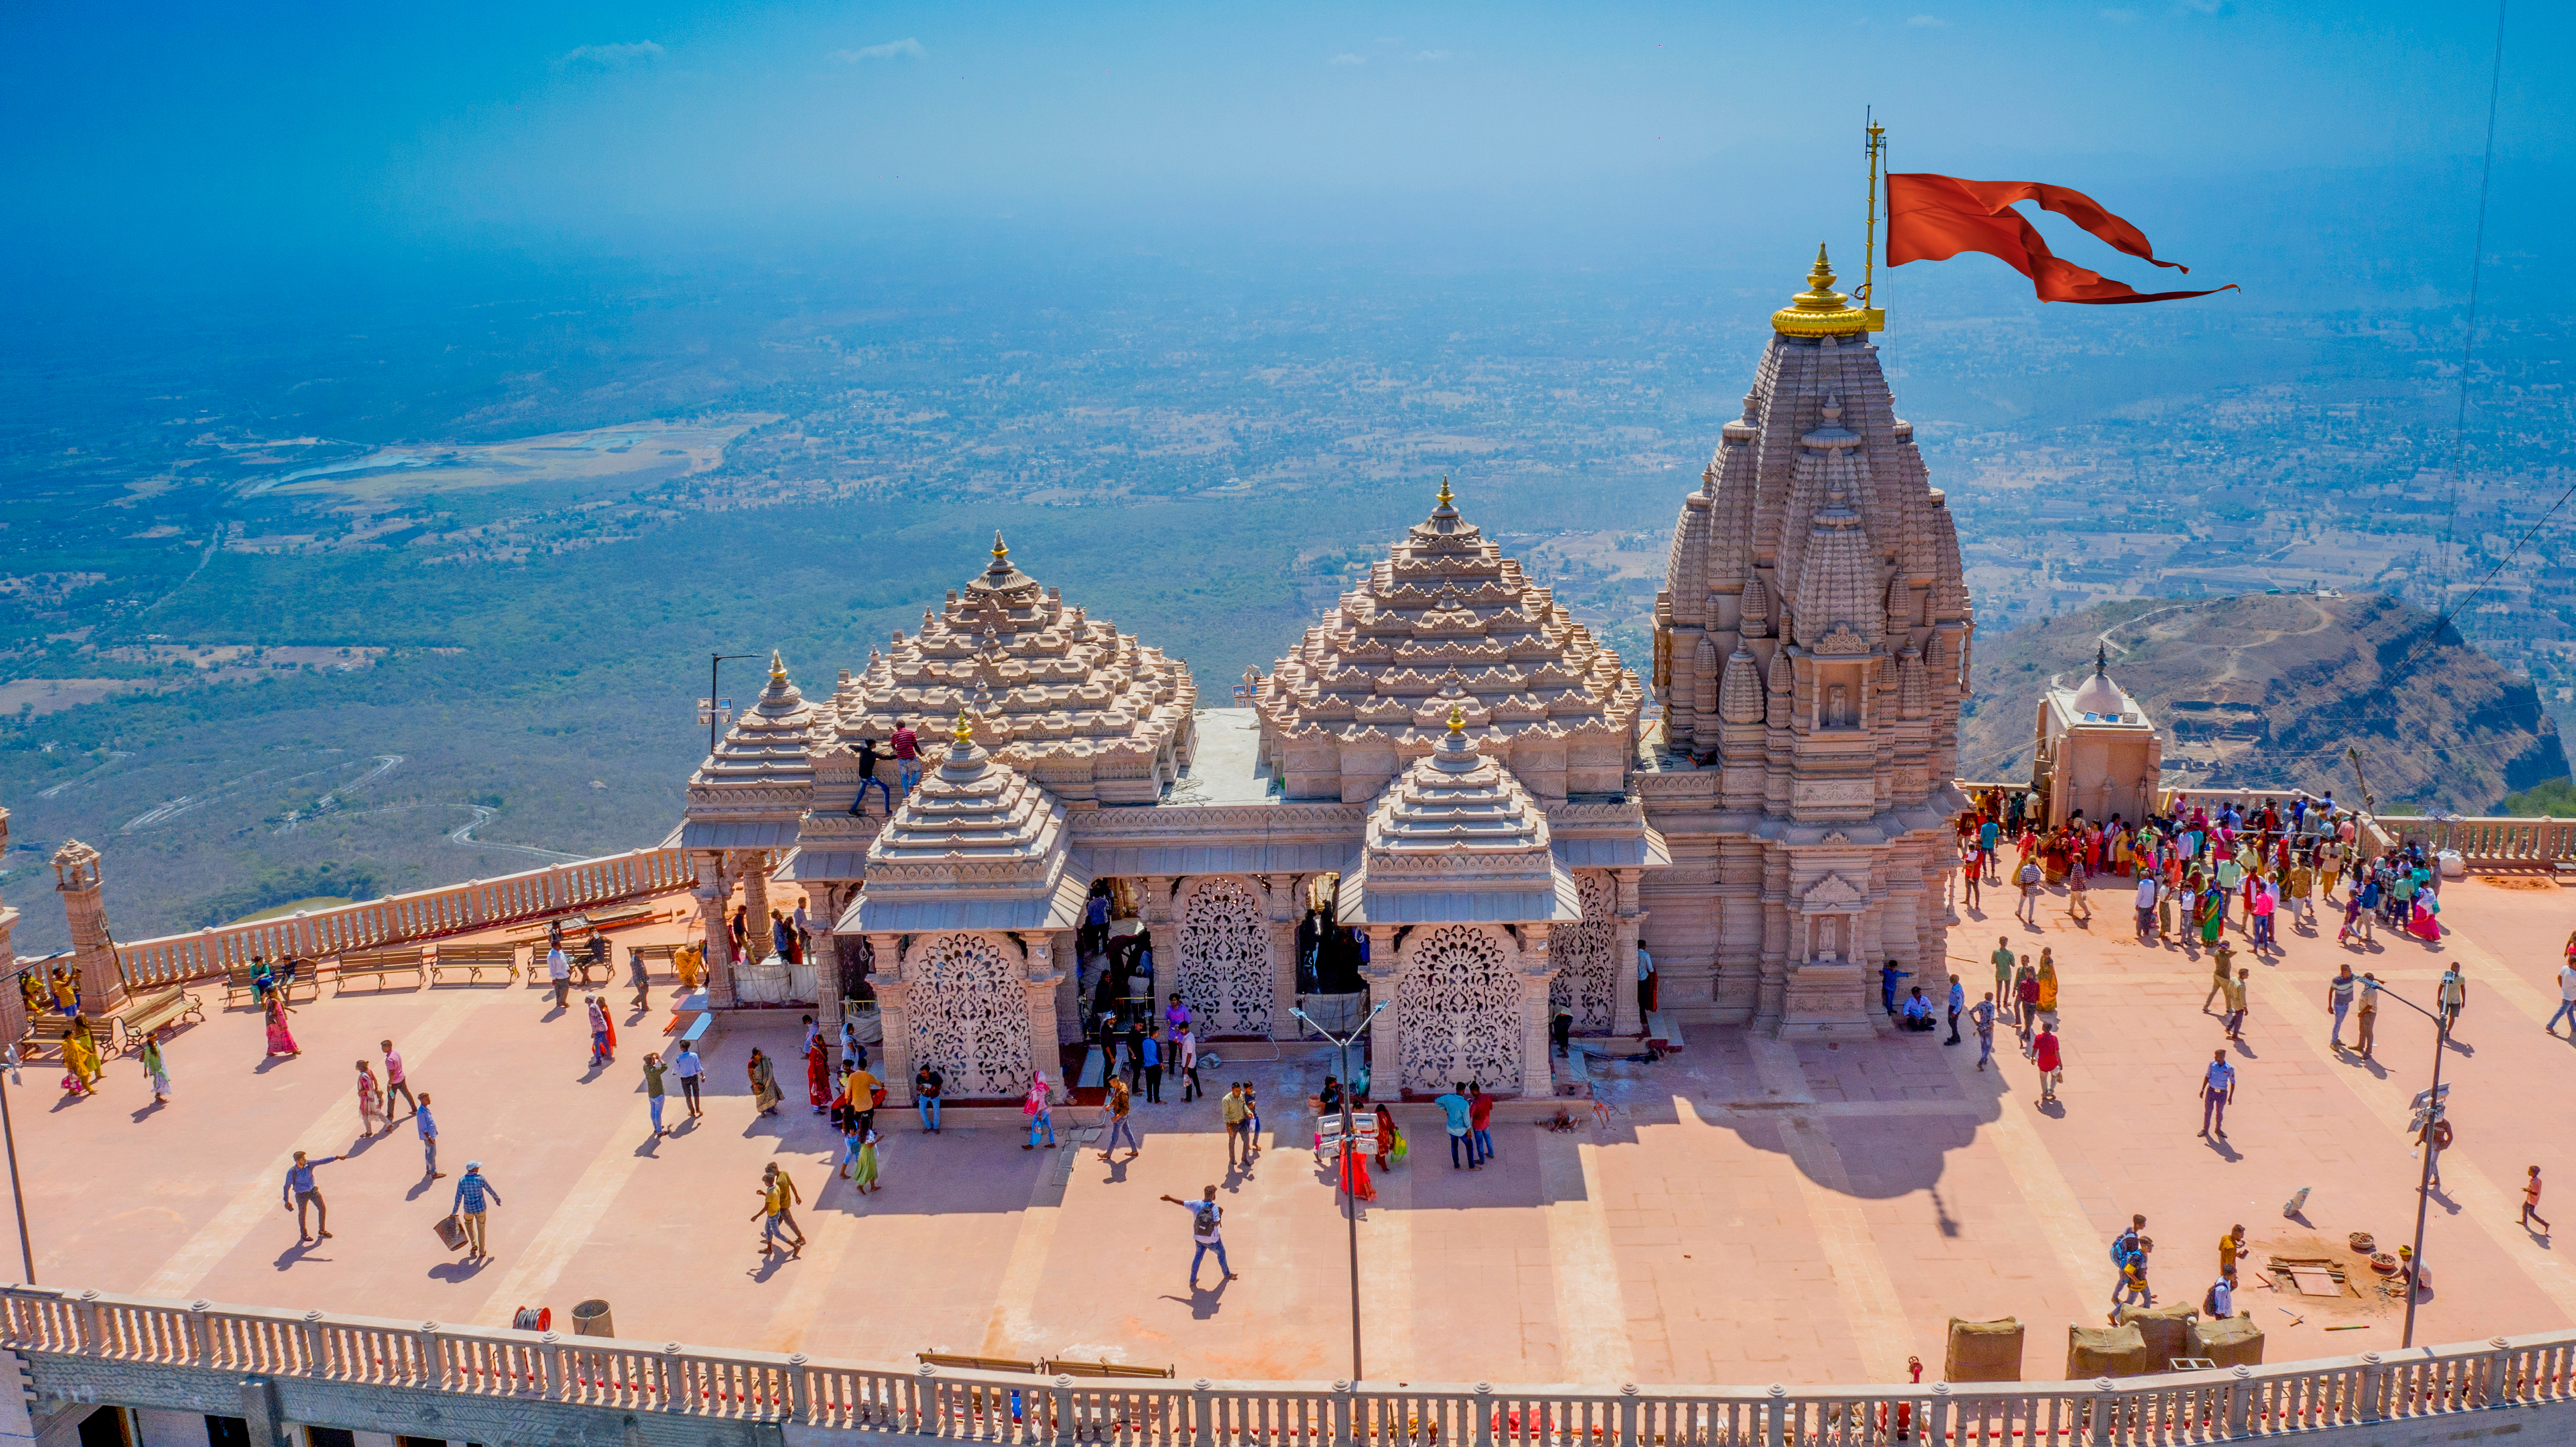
{"x":2106,"y":1351}
{"x":2235,"y":1341}
{"x":2167,"y":1330}
{"x":1983,"y":1351}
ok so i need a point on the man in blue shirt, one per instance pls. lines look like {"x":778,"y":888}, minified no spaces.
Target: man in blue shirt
{"x":299,"y":1193}
{"x":471,"y":1189}
{"x":1149,"y":1065}
{"x":1453,"y":1107}
{"x":2217,"y":1089}
{"x":1958,"y":1002}
{"x":428,"y":1138}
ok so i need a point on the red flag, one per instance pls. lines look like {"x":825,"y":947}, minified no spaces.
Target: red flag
{"x":1933,"y":218}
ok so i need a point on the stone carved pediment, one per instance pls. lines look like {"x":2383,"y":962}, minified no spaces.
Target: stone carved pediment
{"x":1833,"y":894}
{"x":1843,"y":640}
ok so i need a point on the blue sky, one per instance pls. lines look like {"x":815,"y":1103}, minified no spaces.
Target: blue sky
{"x":295,"y":124}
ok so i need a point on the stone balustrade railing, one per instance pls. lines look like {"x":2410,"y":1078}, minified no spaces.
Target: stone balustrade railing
{"x":2491,"y":840}
{"x":421,"y":915}
{"x":65,"y":1333}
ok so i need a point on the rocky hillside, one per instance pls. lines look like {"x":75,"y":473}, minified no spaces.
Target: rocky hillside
{"x":2265,"y":690}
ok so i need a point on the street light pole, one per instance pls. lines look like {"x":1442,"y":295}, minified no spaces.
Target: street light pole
{"x":714,"y":662}
{"x":1350,"y":1201}
{"x":2432,"y":1117}
{"x":17,"y":1197}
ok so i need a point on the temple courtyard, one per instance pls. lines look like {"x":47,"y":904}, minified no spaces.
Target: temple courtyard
{"x":1748,"y":1211}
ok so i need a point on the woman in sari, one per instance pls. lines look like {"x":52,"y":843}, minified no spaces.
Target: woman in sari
{"x":864,"y":1176}
{"x":818,"y":1076}
{"x":1390,"y":1141}
{"x":1355,"y":1176}
{"x":156,"y":1071}
{"x":66,"y":991}
{"x":2048,"y":987}
{"x":80,"y":1057}
{"x":2423,"y":925}
{"x":764,"y":1083}
{"x":2213,"y":915}
{"x":281,"y":1041}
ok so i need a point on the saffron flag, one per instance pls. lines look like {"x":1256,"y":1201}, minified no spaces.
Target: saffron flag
{"x":1933,"y":218}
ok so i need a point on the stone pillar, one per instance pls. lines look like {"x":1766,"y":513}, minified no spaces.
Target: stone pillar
{"x":753,"y":866}
{"x":1386,"y":1071}
{"x":713,"y":893}
{"x":13,"y":1003}
{"x":825,"y":956}
{"x":102,"y":984}
{"x":894,"y":1056}
{"x":1624,"y":1016}
{"x":1157,"y":914}
{"x":1538,"y":1077}
{"x":1068,"y":995}
{"x":1284,"y":894}
{"x":1043,"y":978}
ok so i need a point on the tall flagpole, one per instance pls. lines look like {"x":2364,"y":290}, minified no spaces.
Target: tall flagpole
{"x":1877,"y":146}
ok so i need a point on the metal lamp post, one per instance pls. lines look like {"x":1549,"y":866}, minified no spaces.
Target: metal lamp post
{"x":1350,"y":1202}
{"x":716,"y":709}
{"x":2428,"y":1113}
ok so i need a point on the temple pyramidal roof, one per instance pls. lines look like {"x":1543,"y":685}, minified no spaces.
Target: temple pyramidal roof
{"x":1052,"y":692}
{"x":1447,"y":621}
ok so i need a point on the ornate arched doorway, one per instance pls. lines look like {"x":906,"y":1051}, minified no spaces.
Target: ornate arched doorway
{"x":970,"y":1015}
{"x":1458,"y":1010}
{"x":1587,"y":978}
{"x":1226,"y":976}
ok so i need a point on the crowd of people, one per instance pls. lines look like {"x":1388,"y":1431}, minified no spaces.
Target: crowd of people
{"x":2200,"y":866}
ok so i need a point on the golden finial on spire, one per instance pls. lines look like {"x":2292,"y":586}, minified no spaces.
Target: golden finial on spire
{"x":964,"y":732}
{"x":1819,"y":310}
{"x":1457,"y":720}
{"x":1001,"y":550}
{"x":1445,"y":497}
{"x":777,"y":669}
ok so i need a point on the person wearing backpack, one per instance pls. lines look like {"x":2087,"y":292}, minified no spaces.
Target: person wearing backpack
{"x":1206,"y":1219}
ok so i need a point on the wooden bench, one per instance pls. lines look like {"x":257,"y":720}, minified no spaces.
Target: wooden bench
{"x":375,"y":965}
{"x":653,"y":954}
{"x":975,"y":1364}
{"x":237,"y":983}
{"x":144,"y":1014}
{"x":474,"y":960}
{"x":1066,"y":1367}
{"x":46,"y":1032}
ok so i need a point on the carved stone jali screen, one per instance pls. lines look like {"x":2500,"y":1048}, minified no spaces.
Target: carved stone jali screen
{"x":1458,"y":1011}
{"x":1226,"y":977}
{"x":970,"y":1016}
{"x":1581,"y":953}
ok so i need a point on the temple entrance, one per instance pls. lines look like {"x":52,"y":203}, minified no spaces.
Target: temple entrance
{"x":1586,"y":976}
{"x":1226,"y":976}
{"x":969,"y":1009}
{"x":1458,"y":1011}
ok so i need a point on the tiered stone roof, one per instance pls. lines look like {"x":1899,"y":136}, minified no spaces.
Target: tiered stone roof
{"x":761,"y":769}
{"x":1061,"y":696}
{"x":1812,"y":635}
{"x":977,"y":845}
{"x":1456,"y":837}
{"x":1447,"y":621}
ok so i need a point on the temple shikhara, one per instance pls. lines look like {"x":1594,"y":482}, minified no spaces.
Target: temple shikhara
{"x":1448,"y":799}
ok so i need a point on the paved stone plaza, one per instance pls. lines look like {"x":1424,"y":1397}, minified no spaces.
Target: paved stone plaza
{"x":1754,"y":1211}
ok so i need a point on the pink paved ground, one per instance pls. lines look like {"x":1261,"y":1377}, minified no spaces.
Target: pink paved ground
{"x":1754,"y":1212}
